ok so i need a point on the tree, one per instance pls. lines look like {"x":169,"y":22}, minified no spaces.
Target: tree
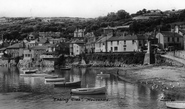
{"x":111,"y":16}
{"x":122,"y":14}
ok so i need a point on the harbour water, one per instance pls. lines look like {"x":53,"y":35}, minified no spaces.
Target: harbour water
{"x":18,"y":92}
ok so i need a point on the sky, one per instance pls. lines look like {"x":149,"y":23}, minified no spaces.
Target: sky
{"x":81,"y":8}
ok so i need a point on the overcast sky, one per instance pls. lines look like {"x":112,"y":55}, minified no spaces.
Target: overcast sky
{"x":81,"y":8}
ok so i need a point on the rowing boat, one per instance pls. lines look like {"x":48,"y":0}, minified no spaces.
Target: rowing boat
{"x":89,"y":91}
{"x":27,"y":71}
{"x":68,"y":84}
{"x":51,"y":76}
{"x":35,"y":75}
{"x":176,"y":104}
{"x":103,"y":75}
{"x":54,"y":79}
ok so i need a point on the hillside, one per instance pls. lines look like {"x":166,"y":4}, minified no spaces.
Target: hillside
{"x":142,"y":21}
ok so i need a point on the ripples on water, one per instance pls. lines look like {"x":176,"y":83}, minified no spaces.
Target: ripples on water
{"x":31,"y":92}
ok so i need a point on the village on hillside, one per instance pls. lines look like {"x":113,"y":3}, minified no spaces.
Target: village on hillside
{"x":48,"y":46}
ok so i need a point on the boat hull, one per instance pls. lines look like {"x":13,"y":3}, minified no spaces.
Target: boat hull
{"x":89,"y":91}
{"x":68,"y":84}
{"x":34,"y":75}
{"x":103,"y":75}
{"x":51,"y":77}
{"x":176,"y":104}
{"x":55,"y":79}
{"x":29,"y":71}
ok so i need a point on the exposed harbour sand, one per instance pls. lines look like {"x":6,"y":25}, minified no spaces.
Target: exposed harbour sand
{"x":169,"y":79}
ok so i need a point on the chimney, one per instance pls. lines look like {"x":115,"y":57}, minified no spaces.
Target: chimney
{"x":176,"y":30}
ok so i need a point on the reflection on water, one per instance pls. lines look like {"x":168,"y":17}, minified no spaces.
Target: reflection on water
{"x":120,"y":94}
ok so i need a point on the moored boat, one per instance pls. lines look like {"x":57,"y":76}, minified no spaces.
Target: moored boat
{"x":89,"y":91}
{"x":103,"y":75}
{"x":29,"y":71}
{"x":176,"y":104}
{"x":68,"y":84}
{"x":35,"y":75}
{"x":51,"y":76}
{"x":54,"y":79}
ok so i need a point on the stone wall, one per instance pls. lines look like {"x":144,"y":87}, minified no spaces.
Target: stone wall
{"x":5,"y":63}
{"x":29,"y":63}
{"x":111,"y":59}
{"x":166,"y":61}
{"x":179,"y":54}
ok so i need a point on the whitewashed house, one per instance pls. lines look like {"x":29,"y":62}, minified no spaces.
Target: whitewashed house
{"x":76,"y":47}
{"x":127,"y":43}
{"x":168,"y":38}
{"x":101,"y":44}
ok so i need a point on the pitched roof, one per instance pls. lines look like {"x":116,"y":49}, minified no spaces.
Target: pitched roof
{"x":2,"y":49}
{"x":103,"y":39}
{"x":42,"y":40}
{"x":17,"y":45}
{"x":170,"y":34}
{"x":43,"y":47}
{"x":183,"y":31}
{"x":127,"y":37}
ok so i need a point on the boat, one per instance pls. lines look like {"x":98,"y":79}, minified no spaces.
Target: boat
{"x":176,"y":104}
{"x":54,"y":79}
{"x":68,"y":84}
{"x":65,"y":68}
{"x":35,"y":75}
{"x":29,"y":71}
{"x":89,"y":91}
{"x":103,"y":75}
{"x":51,"y":76}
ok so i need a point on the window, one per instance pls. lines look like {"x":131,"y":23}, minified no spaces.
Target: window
{"x":124,"y":45}
{"x":111,"y":42}
{"x":140,"y":43}
{"x":133,"y":41}
{"x":168,"y":39}
{"x":173,"y":39}
{"x":111,"y":49}
{"x":117,"y":42}
{"x":124,"y":49}
{"x":124,"y":41}
{"x":115,"y":48}
{"x":177,"y":39}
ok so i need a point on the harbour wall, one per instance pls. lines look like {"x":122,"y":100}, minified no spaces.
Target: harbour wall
{"x":109,"y":59}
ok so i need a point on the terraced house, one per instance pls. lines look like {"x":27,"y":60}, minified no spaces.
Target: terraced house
{"x":16,"y":49}
{"x":130,"y":42}
{"x":90,"y":42}
{"x":168,"y":38}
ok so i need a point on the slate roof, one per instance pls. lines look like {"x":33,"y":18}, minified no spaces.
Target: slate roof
{"x":170,"y":34}
{"x":103,"y":39}
{"x":183,"y":31}
{"x":16,"y":46}
{"x":40,"y":47}
{"x":127,"y":37}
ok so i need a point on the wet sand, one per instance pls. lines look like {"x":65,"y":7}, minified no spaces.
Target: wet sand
{"x":169,"y":79}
